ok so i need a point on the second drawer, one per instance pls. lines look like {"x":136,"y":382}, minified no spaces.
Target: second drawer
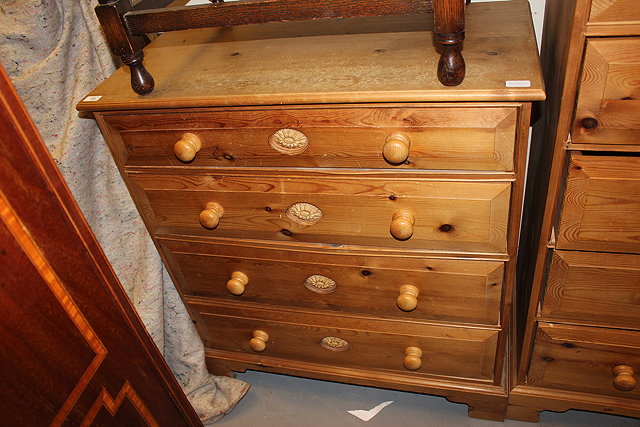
{"x":418,"y":288}
{"x":407,"y":213}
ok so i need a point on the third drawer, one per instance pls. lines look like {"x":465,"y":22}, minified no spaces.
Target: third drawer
{"x":409,"y":287}
{"x":601,"y":289}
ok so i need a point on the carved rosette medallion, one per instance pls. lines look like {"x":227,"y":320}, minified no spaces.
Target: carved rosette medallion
{"x":289,"y":141}
{"x":334,"y":344}
{"x":304,"y":213}
{"x":320,"y":284}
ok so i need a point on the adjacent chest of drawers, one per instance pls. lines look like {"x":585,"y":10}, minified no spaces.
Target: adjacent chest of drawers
{"x":581,"y":331}
{"x":325,"y":207}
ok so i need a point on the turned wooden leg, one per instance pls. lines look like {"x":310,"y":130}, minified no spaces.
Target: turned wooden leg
{"x":122,"y":44}
{"x":449,"y":33}
{"x":141,"y":81}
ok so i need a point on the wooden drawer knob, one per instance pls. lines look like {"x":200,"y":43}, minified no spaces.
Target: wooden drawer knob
{"x":402,"y":224}
{"x":236,"y":285}
{"x":624,"y":380}
{"x":396,"y":148}
{"x":259,"y":341}
{"x":210,"y":216}
{"x":413,"y":358}
{"x":187,"y":148}
{"x":408,"y":298}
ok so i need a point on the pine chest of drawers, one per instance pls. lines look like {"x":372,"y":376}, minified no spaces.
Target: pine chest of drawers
{"x":580,"y":326}
{"x":325,"y":207}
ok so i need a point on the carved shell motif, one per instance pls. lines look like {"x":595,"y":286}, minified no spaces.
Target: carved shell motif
{"x":289,"y":141}
{"x":304,"y":213}
{"x":334,"y":344}
{"x":320,"y":284}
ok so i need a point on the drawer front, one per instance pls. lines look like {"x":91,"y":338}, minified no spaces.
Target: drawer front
{"x":456,"y":216}
{"x":350,"y":342}
{"x":608,"y":108}
{"x":597,"y":288}
{"x":585,"y":359}
{"x":614,"y":12}
{"x":601,"y":205}
{"x":411,"y":288}
{"x":474,"y":138}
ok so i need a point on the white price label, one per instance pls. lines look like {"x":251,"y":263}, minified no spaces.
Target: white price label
{"x":518,"y":83}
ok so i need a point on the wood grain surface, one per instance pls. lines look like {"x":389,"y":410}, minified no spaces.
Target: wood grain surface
{"x":601,"y":204}
{"x":582,"y":359}
{"x":608,"y":109}
{"x":388,"y":59}
{"x":454,"y":137}
{"x":450,"y":290}
{"x":373,"y":343}
{"x":600,"y":289}
{"x":73,"y":350}
{"x":614,"y":12}
{"x":355,"y":211}
{"x":265,"y":11}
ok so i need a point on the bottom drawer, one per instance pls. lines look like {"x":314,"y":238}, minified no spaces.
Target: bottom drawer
{"x":593,"y":360}
{"x":349,"y":341}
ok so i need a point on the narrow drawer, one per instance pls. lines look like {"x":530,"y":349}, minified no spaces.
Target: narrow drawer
{"x":344,"y":341}
{"x":410,"y":288}
{"x":614,"y":12}
{"x":424,"y":214}
{"x":595,"y":288}
{"x":473,"y":138}
{"x":601,"y":205}
{"x":591,"y":360}
{"x":608,"y":108}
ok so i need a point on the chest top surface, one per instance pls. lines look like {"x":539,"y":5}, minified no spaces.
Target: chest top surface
{"x":385,"y":59}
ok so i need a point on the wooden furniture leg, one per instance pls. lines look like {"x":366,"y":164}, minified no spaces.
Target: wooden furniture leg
{"x":127,"y":47}
{"x":449,"y":31}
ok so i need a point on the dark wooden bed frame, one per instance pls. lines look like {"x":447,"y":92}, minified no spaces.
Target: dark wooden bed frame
{"x":126,"y":26}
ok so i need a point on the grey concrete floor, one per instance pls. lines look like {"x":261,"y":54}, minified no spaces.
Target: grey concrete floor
{"x":284,"y":401}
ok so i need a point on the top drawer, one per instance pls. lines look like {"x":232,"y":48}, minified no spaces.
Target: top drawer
{"x":608,"y":108}
{"x":423,"y":137}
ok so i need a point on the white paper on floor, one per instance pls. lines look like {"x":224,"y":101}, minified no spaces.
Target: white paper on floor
{"x":367,"y":415}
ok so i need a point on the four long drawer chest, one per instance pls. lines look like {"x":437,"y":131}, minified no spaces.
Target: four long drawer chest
{"x":325,"y":207}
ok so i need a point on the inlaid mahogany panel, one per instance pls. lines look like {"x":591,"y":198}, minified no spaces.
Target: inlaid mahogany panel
{"x":72,"y":343}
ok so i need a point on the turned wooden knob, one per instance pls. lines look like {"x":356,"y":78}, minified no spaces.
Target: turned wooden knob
{"x":408,"y":298}
{"x":237,"y":283}
{"x":210,"y":216}
{"x":413,"y":358}
{"x":624,"y":380}
{"x":187,"y":148}
{"x":396,"y":148}
{"x":259,"y":341}
{"x":402,"y":224}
